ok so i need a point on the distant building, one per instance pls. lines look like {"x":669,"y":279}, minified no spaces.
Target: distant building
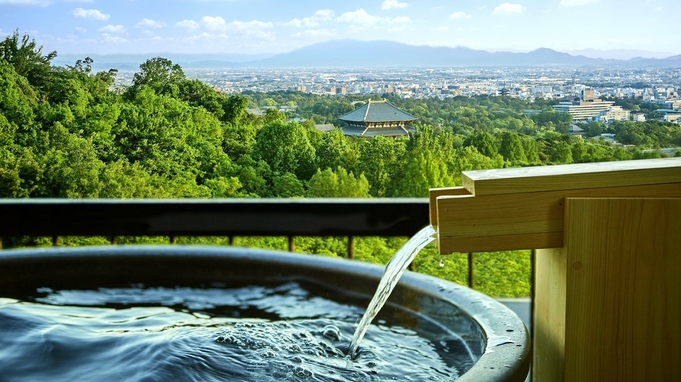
{"x":586,"y":108}
{"x":576,"y":131}
{"x":336,"y":90}
{"x":378,"y":118}
{"x":638,"y":117}
{"x":614,"y":114}
{"x":324,"y":127}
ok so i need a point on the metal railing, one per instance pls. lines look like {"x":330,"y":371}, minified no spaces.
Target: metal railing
{"x":114,"y":218}
{"x":214,"y":217}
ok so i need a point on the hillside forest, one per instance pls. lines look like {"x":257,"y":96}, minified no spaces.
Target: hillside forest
{"x":67,"y":132}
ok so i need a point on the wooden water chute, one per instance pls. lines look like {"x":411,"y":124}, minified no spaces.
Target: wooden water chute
{"x":608,"y":262}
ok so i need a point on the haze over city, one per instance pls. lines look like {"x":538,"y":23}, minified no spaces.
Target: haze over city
{"x":595,"y":28}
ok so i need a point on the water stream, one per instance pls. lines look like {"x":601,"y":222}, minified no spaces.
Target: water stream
{"x":391,"y":275}
{"x":277,"y":331}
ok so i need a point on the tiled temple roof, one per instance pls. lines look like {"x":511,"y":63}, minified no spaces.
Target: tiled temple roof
{"x":377,"y":111}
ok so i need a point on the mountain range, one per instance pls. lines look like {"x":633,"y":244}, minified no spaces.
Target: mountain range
{"x":353,"y":53}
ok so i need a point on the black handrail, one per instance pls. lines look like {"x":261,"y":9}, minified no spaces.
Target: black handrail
{"x":213,"y":217}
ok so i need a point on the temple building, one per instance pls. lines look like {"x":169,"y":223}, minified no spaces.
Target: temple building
{"x":378,"y":118}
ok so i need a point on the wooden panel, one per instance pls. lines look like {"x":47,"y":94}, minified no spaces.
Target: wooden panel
{"x":500,"y":242}
{"x":623,"y":290}
{"x":572,"y":176}
{"x":483,"y":223}
{"x":549,"y":315}
{"x":435,"y":192}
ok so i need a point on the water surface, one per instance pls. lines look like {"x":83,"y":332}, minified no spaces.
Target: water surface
{"x":287,"y":332}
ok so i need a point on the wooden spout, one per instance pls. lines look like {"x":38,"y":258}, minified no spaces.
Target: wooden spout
{"x":523,"y":208}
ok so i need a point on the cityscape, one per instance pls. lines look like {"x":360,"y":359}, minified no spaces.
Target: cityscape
{"x":563,"y":84}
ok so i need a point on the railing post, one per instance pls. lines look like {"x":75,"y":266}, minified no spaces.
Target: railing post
{"x":291,"y":247}
{"x":171,"y":239}
{"x":55,"y":241}
{"x":231,"y":240}
{"x":112,"y":240}
{"x":351,"y":247}
{"x":471,"y":278}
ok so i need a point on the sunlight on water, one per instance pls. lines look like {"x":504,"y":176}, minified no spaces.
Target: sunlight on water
{"x":393,"y":271}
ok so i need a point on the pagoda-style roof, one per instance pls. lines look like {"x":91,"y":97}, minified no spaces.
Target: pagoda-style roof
{"x":377,"y":111}
{"x":374,"y":131}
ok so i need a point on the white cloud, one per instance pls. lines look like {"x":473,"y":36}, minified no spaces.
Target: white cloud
{"x":114,"y":39}
{"x":252,"y":29}
{"x":574,"y":3}
{"x":113,"y":29}
{"x":249,"y":29}
{"x":90,"y":14}
{"x":189,"y":25}
{"x":315,"y":33}
{"x":249,"y":25}
{"x":148,"y":23}
{"x":509,"y":9}
{"x":214,"y":23}
{"x":360,"y":17}
{"x":80,"y":30}
{"x":460,"y":15}
{"x":316,"y":19}
{"x":388,"y":4}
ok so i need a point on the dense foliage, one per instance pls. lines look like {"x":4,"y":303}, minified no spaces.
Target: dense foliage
{"x":65,"y":133}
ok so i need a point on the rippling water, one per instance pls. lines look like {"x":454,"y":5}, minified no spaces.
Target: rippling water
{"x":285,"y":332}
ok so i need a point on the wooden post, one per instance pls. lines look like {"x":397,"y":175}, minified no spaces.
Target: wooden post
{"x":291,"y":247}
{"x":471,"y":268}
{"x":607,"y":284}
{"x":612,"y":307}
{"x":351,"y":247}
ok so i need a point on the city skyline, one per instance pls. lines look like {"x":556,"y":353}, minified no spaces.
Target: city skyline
{"x":606,"y":28}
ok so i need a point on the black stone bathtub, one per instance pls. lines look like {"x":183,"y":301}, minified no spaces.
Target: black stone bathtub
{"x":496,"y":339}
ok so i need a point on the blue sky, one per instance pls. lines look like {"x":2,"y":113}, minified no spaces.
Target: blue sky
{"x":275,"y":26}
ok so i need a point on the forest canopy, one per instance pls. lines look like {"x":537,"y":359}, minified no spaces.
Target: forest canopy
{"x":67,"y":132}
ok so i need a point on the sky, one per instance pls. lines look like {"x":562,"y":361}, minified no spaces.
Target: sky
{"x":266,"y":27}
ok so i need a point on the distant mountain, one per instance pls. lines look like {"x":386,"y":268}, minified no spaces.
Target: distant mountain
{"x":390,"y":53}
{"x":186,"y":60}
{"x":353,"y":53}
{"x":619,"y":54}
{"x":673,"y":61}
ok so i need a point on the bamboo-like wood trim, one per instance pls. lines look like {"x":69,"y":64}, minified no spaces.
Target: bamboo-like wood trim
{"x":572,"y":176}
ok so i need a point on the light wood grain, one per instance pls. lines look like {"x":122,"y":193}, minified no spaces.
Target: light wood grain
{"x":485,"y":223}
{"x":433,"y":195}
{"x":572,"y":176}
{"x":623,"y":290}
{"x":549,"y":315}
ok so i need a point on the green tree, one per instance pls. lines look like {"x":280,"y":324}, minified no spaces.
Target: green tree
{"x":286,"y":149}
{"x":335,"y":151}
{"x":337,"y":184}
{"x":380,"y":160}
{"x":511,"y":147}
{"x":485,"y":143}
{"x":27,"y":58}
{"x":160,"y":74}
{"x":286,"y":185}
